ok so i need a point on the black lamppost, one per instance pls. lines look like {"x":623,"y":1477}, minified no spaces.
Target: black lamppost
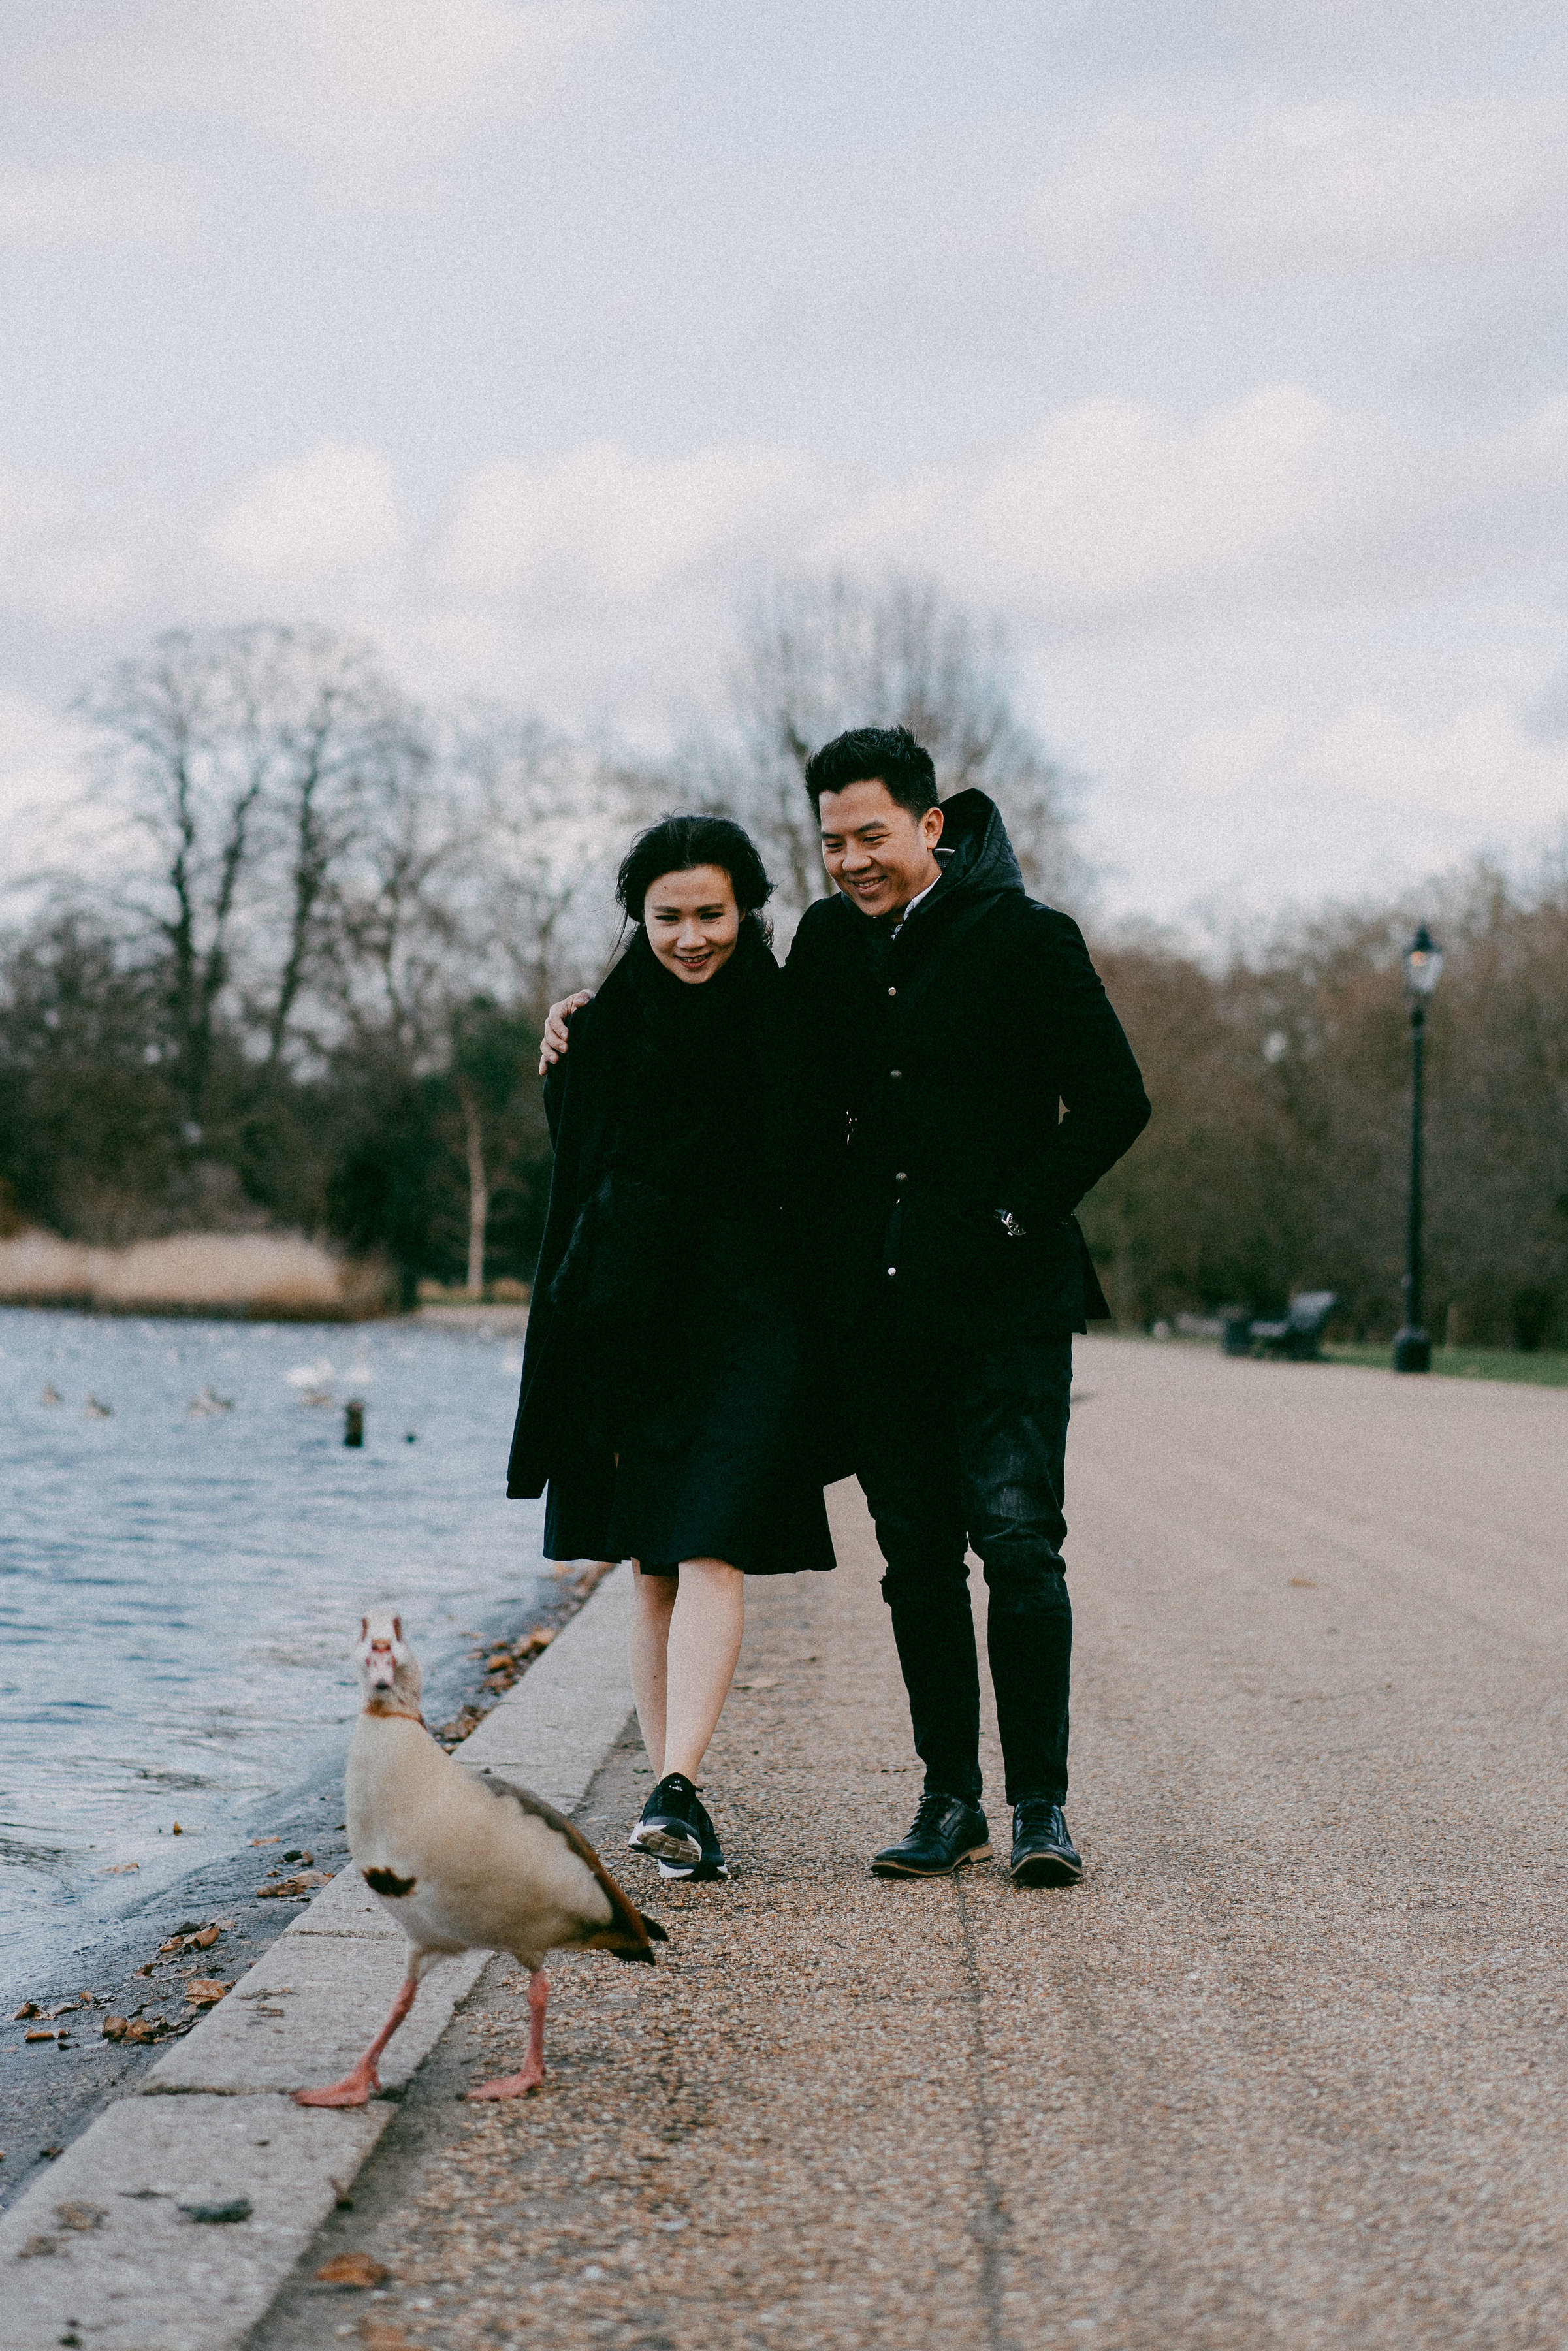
{"x":1423,"y":964}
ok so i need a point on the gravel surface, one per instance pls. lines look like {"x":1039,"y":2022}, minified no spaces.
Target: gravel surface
{"x":1290,"y":2068}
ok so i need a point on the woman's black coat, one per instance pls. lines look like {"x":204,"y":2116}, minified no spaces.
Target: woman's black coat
{"x":558,"y":1439}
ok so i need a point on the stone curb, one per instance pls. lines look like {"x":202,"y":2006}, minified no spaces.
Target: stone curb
{"x":98,"y":2252}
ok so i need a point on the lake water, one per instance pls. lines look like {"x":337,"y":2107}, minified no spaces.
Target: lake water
{"x":179,"y":1589}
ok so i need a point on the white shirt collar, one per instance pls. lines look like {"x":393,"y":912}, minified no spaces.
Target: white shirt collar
{"x":912,"y":905}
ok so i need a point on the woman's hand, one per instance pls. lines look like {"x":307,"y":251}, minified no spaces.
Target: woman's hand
{"x":554,"y":1042}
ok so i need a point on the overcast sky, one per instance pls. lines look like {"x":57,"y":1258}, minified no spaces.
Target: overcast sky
{"x":1221,"y":347}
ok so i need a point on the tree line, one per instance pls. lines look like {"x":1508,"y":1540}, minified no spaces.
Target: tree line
{"x":302,"y":988}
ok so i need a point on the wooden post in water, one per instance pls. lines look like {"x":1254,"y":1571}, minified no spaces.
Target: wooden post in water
{"x":354,"y":1423}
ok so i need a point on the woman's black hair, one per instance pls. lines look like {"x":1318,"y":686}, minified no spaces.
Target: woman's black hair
{"x":676,"y":843}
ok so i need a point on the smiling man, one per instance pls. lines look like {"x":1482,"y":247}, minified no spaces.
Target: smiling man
{"x":963,"y":1080}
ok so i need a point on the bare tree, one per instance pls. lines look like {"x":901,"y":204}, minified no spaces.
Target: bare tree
{"x":400,"y":942}
{"x":821,"y":655}
{"x":348,"y":749}
{"x":245,"y":759}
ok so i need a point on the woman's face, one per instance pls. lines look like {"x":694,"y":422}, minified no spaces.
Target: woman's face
{"x":692,"y":920}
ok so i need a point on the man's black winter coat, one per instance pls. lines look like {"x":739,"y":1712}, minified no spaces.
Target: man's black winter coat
{"x":973,"y":1066}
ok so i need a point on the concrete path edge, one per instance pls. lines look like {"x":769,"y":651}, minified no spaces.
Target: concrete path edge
{"x":99,"y":2252}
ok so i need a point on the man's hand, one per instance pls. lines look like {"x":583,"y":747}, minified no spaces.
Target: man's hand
{"x":554,"y":1042}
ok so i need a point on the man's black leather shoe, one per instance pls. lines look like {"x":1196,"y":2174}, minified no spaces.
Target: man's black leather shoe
{"x":947,"y":1833}
{"x":1043,"y":1852}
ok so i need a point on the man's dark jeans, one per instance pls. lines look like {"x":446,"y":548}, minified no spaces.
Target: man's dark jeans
{"x":961,"y":1450}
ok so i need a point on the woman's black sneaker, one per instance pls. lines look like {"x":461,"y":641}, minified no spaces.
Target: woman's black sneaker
{"x":668,"y":1828}
{"x":712,"y":1865}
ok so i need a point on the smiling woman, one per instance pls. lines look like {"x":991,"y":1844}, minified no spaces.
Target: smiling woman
{"x":661,"y":1396}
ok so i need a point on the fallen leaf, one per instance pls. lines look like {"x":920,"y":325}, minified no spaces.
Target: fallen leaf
{"x":35,"y":2246}
{"x":115,"y":2028}
{"x":352,"y":2269}
{"x":80,"y":2216}
{"x":204,"y":1991}
{"x":1305,"y":1583}
{"x":40,"y":2033}
{"x":287,"y":1886}
{"x":29,"y":2008}
{"x":120,"y":1868}
{"x":205,"y":1939}
{"x":277,"y":1840}
{"x":177,"y":1830}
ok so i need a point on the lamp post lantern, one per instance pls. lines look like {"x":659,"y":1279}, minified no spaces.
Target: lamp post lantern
{"x":1423,"y":961}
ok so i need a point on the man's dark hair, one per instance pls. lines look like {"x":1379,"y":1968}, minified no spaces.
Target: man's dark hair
{"x":676,"y":843}
{"x":872,"y":754}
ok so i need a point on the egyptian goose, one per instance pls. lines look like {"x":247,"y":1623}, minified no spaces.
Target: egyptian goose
{"x":464,"y":1862}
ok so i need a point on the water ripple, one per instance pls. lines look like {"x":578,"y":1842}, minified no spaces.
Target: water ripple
{"x":179,"y":1589}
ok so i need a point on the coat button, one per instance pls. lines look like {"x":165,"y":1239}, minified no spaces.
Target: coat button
{"x":901,"y":1177}
{"x":895,"y":1073}
{"x":893,"y":991}
{"x":892,"y":1270}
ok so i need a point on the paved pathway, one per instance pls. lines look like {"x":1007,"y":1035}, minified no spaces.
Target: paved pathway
{"x":1290,"y":2068}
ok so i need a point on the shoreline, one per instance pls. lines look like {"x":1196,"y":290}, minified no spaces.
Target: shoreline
{"x":505,"y":1314}
{"x":50,"y":2094}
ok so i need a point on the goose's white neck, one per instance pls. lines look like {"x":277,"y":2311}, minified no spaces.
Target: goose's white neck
{"x":382,"y":1704}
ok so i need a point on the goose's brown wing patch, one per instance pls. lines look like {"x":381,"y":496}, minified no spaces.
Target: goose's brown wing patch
{"x":628,"y":1935}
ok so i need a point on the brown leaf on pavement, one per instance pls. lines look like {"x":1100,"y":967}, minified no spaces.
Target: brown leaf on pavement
{"x":80,"y":2216}
{"x":352,"y":2269}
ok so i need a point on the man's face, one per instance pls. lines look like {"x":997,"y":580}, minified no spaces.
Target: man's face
{"x":878,"y":854}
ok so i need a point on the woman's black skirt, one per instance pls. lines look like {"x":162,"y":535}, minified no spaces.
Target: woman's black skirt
{"x":691,"y":1443}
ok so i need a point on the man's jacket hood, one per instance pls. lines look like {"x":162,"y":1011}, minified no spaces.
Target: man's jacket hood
{"x":979,"y":861}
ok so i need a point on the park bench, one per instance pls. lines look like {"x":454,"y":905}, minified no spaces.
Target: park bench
{"x":1298,"y":1336}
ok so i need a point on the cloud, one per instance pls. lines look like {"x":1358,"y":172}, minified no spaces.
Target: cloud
{"x":1256,"y":813}
{"x":134,"y":202}
{"x":1479,"y":763}
{"x":1255,"y":183}
{"x":383,"y":87}
{"x":333,"y":510}
{"x":1114,"y":507}
{"x":52,"y":566}
{"x":600,"y":525}
{"x":1109,"y":508}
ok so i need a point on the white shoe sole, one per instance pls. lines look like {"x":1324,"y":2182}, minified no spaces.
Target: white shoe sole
{"x":664,"y":1844}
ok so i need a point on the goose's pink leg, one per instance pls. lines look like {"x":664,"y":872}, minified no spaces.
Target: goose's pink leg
{"x":354,"y":2089}
{"x":517,"y":2086}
